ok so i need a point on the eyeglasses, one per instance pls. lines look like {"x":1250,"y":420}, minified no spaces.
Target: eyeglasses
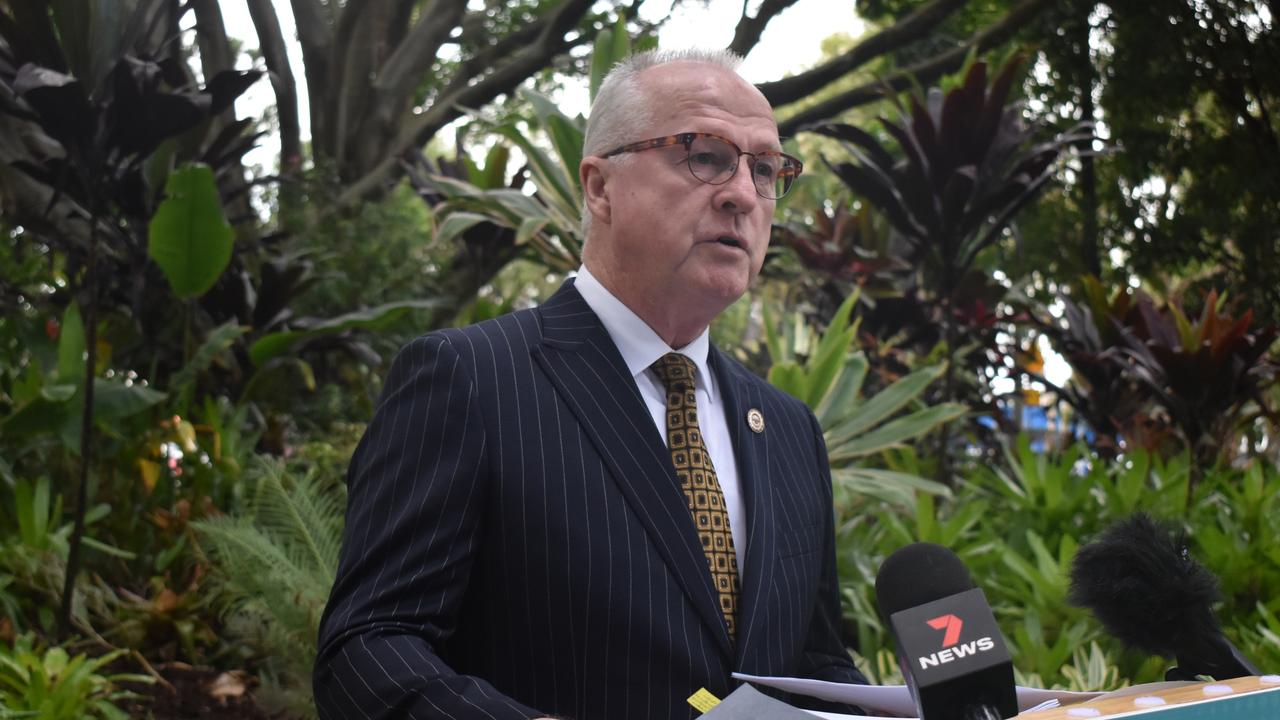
{"x":714,"y":160}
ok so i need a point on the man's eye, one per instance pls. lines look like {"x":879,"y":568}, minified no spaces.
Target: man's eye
{"x":765,"y":170}
{"x":706,"y":159}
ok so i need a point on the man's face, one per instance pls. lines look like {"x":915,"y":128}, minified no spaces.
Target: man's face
{"x":671,"y":243}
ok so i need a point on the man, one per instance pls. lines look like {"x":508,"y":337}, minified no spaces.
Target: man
{"x":534,"y":526}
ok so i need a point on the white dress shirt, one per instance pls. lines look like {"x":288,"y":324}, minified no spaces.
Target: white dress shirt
{"x":640,"y":347}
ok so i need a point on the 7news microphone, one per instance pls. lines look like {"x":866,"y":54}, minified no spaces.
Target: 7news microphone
{"x":952,"y":655}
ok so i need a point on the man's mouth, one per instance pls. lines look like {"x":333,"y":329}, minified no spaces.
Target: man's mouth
{"x":730,"y":241}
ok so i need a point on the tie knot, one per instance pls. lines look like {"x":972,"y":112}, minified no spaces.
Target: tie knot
{"x":675,"y":371}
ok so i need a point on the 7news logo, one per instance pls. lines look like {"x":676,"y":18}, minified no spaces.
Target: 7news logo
{"x":952,"y":648}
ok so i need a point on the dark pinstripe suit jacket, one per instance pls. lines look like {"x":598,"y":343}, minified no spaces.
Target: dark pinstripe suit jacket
{"x":517,"y":542}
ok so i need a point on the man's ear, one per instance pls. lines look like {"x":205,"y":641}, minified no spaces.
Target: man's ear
{"x":593,"y":174}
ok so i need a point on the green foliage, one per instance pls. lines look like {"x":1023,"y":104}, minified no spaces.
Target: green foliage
{"x":1190,"y":92}
{"x":51,"y":684}
{"x":269,"y":347}
{"x":548,"y":221}
{"x":189,"y":237}
{"x":278,"y":559}
{"x":830,"y":380}
{"x":1017,"y":526}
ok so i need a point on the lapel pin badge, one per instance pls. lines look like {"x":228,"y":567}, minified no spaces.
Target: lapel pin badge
{"x":755,"y":420}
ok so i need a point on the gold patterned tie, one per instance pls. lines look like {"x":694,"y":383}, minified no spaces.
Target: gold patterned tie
{"x":698,"y":479}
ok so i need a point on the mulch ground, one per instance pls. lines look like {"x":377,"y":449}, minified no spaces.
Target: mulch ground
{"x":197,"y":692}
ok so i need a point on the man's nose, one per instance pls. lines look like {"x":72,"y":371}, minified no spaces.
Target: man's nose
{"x":739,"y":194}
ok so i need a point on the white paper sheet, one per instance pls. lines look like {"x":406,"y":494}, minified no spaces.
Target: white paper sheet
{"x":892,"y":700}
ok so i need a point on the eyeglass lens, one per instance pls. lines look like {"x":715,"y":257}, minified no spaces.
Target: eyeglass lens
{"x":713,"y":161}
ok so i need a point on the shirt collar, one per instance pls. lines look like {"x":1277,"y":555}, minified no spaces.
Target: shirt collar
{"x":639,"y":345}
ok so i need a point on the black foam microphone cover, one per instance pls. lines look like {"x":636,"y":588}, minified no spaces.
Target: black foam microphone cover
{"x":917,"y":574}
{"x":1140,"y":581}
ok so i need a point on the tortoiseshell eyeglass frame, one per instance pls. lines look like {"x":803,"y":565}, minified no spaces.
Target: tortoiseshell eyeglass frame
{"x":790,"y":170}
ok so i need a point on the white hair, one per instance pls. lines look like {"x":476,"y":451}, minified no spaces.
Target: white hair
{"x":622,"y":110}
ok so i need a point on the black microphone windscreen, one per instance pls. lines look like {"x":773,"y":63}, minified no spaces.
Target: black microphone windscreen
{"x":1140,"y":582}
{"x":919,"y":573}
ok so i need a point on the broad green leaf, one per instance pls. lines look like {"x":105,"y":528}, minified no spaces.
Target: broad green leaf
{"x":274,"y":344}
{"x":452,"y":187}
{"x":38,"y":415}
{"x":567,"y":139}
{"x":108,"y":549}
{"x":842,"y":400}
{"x":543,"y":106}
{"x":601,"y":61}
{"x":457,"y":223}
{"x":71,"y":347}
{"x":885,"y":403}
{"x":495,"y":166}
{"x":789,"y":378}
{"x":621,"y":40}
{"x":114,"y":400}
{"x":55,"y":661}
{"x":897,"y":431}
{"x":772,"y":339}
{"x":218,"y":341}
{"x":839,"y":334}
{"x":189,"y":237}
{"x":58,"y":393}
{"x":31,"y":507}
{"x":825,"y":365}
{"x":876,"y":481}
{"x":1186,"y":333}
{"x":549,"y":176}
{"x":529,"y":227}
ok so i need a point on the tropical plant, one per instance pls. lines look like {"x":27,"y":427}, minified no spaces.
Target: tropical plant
{"x":50,"y":684}
{"x":494,"y":220}
{"x":277,"y":559}
{"x":966,"y":163}
{"x":104,"y":127}
{"x":1101,"y":391}
{"x":1146,"y":376}
{"x":830,"y":380}
{"x":1207,"y":372}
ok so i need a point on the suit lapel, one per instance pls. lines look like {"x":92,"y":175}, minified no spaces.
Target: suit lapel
{"x":752,"y":453}
{"x":586,"y":369}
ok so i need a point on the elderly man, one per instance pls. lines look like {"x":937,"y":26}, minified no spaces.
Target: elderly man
{"x":584,"y":510}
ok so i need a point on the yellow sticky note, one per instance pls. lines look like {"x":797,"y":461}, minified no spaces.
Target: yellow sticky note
{"x":703,"y":701}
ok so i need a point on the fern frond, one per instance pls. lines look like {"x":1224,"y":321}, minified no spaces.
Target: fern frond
{"x":278,"y":558}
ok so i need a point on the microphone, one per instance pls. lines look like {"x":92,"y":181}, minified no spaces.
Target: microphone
{"x":1139,"y":580}
{"x":952,"y":655}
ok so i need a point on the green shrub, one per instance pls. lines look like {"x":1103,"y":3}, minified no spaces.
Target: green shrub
{"x":1018,"y":525}
{"x":277,"y":559}
{"x":51,"y":684}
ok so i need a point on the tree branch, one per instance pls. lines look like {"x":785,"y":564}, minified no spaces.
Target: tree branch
{"x":923,"y":72}
{"x":317,"y":42}
{"x":905,"y":31}
{"x":356,"y":62}
{"x":401,"y":21}
{"x":412,"y":57}
{"x":211,"y":35}
{"x":449,"y":104}
{"x":393,"y":89}
{"x":749,"y":29}
{"x":271,"y":41}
